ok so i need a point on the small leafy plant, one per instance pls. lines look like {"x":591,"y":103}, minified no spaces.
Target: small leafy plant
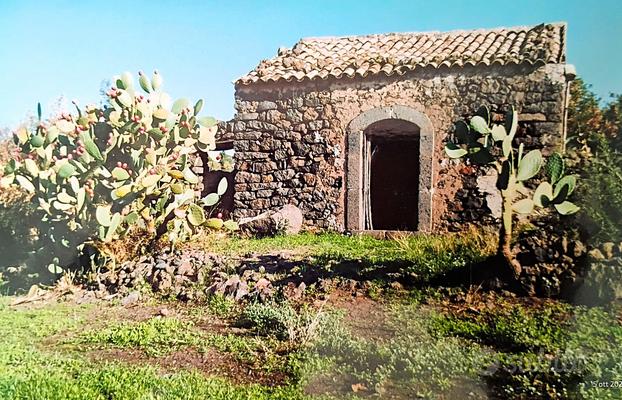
{"x":283,"y":321}
{"x":484,"y":143}
{"x":97,"y":173}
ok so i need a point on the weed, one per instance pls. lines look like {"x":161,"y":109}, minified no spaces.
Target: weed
{"x":155,"y":336}
{"x":545,"y":353}
{"x":221,"y":306}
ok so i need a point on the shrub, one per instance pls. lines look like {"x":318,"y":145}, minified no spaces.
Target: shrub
{"x":282,"y":321}
{"x":601,"y":194}
{"x":96,"y":174}
{"x":221,"y":306}
{"x":18,"y":238}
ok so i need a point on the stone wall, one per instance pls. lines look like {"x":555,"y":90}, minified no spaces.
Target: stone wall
{"x":290,"y":137}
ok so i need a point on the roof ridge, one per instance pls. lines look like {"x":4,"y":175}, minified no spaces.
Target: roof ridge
{"x":561,"y":24}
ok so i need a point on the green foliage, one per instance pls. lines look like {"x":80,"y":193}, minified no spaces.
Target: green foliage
{"x":595,"y":346}
{"x":483,"y":143}
{"x":516,"y":329}
{"x":282,"y":321}
{"x":601,"y":195}
{"x":585,"y":117}
{"x":269,"y":319}
{"x":588,"y":122}
{"x":552,"y":352}
{"x":130,"y":383}
{"x":17,"y":238}
{"x":221,"y":306}
{"x":423,"y":256}
{"x":156,"y":336}
{"x":591,"y":354}
{"x":412,"y":360}
{"x":101,"y":171}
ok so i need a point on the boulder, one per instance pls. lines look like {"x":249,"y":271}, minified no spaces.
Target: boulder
{"x":287,"y":220}
{"x":130,"y":299}
{"x":607,"y":250}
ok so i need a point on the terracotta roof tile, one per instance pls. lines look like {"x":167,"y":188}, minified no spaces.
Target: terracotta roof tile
{"x":398,"y":53}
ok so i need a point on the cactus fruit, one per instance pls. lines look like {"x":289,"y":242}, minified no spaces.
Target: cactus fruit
{"x":135,"y":155}
{"x":483,"y":143}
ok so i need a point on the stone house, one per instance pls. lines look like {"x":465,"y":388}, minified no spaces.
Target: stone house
{"x":352,"y":129}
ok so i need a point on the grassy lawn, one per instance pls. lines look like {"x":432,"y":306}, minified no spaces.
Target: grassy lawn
{"x":44,"y":355}
{"x":418,"y":257}
{"x":424,"y":342}
{"x":410,"y":346}
{"x":338,"y":246}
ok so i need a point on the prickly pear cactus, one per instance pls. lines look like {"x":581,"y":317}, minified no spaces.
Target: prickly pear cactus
{"x":484,"y":143}
{"x":100,"y":171}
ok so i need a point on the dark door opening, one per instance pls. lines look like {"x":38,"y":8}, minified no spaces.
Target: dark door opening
{"x":394,"y":183}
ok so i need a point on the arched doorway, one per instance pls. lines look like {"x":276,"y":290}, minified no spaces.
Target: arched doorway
{"x":392,"y":176}
{"x":389,"y":170}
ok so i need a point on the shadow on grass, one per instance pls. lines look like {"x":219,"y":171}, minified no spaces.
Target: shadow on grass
{"x":408,"y":273}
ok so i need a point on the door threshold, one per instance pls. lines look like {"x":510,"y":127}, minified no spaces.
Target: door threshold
{"x":385,"y":234}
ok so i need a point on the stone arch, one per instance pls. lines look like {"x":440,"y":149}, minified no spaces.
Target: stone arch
{"x":354,"y":168}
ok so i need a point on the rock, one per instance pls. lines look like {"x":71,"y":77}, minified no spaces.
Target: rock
{"x":241,"y":291}
{"x":161,"y":265}
{"x":266,"y":105}
{"x":293,"y":292}
{"x":287,"y":219}
{"x":596,"y":254}
{"x":185,"y":268}
{"x":263,"y":289}
{"x":165,"y":312}
{"x":130,"y":299}
{"x":578,"y":248}
{"x":607,"y":249}
{"x":163,"y":281}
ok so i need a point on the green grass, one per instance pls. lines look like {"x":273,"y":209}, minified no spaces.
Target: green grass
{"x":156,"y":336}
{"x":409,"y":364}
{"x":32,"y":368}
{"x":513,"y":329}
{"x":130,"y":383}
{"x":516,"y":351}
{"x":421,"y":257}
{"x":221,"y":306}
{"x":554,"y":351}
{"x":338,"y":246}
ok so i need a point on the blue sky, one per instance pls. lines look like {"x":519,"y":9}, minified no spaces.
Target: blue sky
{"x":54,"y":47}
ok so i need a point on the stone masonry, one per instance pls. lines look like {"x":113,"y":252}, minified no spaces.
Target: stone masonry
{"x":291,"y":137}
